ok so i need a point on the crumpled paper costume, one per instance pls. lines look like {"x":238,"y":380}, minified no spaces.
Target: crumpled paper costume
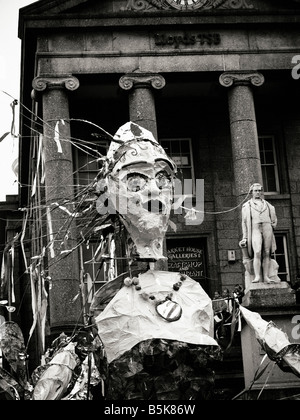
{"x":129,"y":319}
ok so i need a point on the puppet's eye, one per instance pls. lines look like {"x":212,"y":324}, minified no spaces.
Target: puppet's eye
{"x":136,"y":182}
{"x":163,"y":180}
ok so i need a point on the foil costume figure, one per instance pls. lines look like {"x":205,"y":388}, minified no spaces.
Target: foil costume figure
{"x":157,"y":328}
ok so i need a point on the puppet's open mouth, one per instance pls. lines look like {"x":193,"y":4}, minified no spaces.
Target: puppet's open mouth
{"x":154,"y":206}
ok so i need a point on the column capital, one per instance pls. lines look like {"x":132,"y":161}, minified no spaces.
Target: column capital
{"x":42,"y":83}
{"x":232,"y":78}
{"x":138,"y":80}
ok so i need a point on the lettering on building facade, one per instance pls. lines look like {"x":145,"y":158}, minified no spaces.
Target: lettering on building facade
{"x":178,"y":41}
{"x":188,"y":260}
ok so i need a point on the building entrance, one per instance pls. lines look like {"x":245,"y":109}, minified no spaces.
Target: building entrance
{"x":188,"y":256}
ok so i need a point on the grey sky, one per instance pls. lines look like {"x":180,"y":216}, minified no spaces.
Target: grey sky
{"x":10,"y":53}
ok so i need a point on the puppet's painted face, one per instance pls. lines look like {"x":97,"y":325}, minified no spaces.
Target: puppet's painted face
{"x":147,"y":187}
{"x":143,"y":193}
{"x":138,"y":185}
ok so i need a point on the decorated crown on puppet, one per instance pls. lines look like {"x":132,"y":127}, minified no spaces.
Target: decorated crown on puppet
{"x":133,"y":143}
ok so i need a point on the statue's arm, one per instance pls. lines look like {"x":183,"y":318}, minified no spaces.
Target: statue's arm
{"x":244,"y":224}
{"x":273,"y":218}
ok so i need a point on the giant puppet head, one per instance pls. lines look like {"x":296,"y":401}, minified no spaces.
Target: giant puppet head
{"x":137,"y":181}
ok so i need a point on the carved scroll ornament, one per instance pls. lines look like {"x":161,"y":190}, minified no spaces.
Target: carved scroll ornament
{"x":42,"y":83}
{"x":130,"y":81}
{"x":229,"y":79}
{"x":141,"y":5}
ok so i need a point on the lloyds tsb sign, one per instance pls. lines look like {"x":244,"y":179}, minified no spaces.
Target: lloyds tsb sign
{"x":178,"y":41}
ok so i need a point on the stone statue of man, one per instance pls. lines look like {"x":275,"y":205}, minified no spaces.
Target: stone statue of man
{"x":258,"y":221}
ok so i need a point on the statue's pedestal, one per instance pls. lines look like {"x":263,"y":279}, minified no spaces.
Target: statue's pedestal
{"x":269,"y":295}
{"x":276,"y":303}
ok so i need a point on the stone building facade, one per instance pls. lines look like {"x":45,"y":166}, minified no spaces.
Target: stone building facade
{"x":215,"y":81}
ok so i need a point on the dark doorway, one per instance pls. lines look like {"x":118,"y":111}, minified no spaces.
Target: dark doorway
{"x":188,"y":256}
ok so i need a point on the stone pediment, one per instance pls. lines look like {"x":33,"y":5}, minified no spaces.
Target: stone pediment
{"x":204,"y":5}
{"x":96,"y":7}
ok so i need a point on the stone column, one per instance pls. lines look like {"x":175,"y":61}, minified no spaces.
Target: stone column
{"x":141,"y":98}
{"x":244,"y":137}
{"x":63,"y":266}
{"x":272,"y":301}
{"x":142,"y":111}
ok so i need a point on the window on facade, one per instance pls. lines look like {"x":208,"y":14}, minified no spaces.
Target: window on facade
{"x":269,"y":164}
{"x":280,"y":255}
{"x":180,"y":151}
{"x":87,"y":164}
{"x":97,"y":267}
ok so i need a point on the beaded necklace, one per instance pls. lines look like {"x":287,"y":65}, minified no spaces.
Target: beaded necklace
{"x":167,"y":308}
